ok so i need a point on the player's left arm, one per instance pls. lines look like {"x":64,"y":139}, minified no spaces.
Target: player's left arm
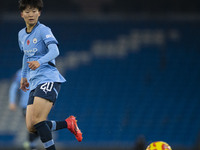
{"x":51,"y":43}
{"x":52,"y":54}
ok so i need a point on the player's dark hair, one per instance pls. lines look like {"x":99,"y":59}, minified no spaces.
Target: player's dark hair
{"x":32,"y":3}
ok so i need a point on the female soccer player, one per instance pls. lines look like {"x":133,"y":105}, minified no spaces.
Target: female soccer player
{"x":40,"y":50}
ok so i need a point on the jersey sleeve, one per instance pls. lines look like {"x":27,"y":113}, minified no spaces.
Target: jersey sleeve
{"x":47,"y":36}
{"x":52,"y":54}
{"x":24,"y":67}
{"x":19,"y":42}
{"x":24,"y":61}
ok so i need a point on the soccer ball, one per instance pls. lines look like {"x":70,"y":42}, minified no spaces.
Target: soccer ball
{"x":159,"y":145}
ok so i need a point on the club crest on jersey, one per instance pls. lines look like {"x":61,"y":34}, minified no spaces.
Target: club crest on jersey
{"x":34,"y":40}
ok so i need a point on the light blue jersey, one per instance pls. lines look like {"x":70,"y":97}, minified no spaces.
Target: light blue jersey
{"x":36,"y":47}
{"x":14,"y":91}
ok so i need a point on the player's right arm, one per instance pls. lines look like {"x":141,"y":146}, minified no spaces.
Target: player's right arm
{"x":24,"y":84}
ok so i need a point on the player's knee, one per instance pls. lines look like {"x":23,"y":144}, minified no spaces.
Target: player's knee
{"x":30,"y":124}
{"x":35,"y":120}
{"x":30,"y":128}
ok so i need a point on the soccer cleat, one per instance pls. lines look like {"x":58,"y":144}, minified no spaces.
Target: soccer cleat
{"x":73,"y":127}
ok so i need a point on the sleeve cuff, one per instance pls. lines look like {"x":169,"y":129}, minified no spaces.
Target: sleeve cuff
{"x":40,"y":62}
{"x":24,"y":75}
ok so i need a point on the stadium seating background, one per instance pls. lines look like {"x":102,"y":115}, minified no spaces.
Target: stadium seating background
{"x":152,"y":91}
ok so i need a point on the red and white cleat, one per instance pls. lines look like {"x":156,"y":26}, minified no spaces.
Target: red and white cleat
{"x":73,"y":127}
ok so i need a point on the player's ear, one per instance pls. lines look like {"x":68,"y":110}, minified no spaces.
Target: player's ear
{"x":40,"y":13}
{"x":22,"y":15}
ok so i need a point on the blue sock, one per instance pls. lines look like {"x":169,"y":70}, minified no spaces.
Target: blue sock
{"x":44,"y":132}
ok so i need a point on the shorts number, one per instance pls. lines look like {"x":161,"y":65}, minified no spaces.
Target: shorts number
{"x":47,"y":87}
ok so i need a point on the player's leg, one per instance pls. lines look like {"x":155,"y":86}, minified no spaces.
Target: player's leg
{"x":51,"y":95}
{"x":31,"y":137}
{"x":36,"y":121}
{"x":41,"y":109}
{"x":29,"y":115}
{"x":50,"y":91}
{"x":32,"y":140}
{"x":70,"y":123}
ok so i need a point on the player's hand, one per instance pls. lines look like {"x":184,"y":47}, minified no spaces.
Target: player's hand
{"x":12,"y":106}
{"x":24,"y":84}
{"x":33,"y":64}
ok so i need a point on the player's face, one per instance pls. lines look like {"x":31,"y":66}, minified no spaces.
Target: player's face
{"x":30,"y":15}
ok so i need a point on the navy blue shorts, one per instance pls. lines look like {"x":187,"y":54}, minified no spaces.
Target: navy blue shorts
{"x":48,"y":91}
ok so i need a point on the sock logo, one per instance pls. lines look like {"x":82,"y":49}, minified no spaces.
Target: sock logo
{"x":47,"y":87}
